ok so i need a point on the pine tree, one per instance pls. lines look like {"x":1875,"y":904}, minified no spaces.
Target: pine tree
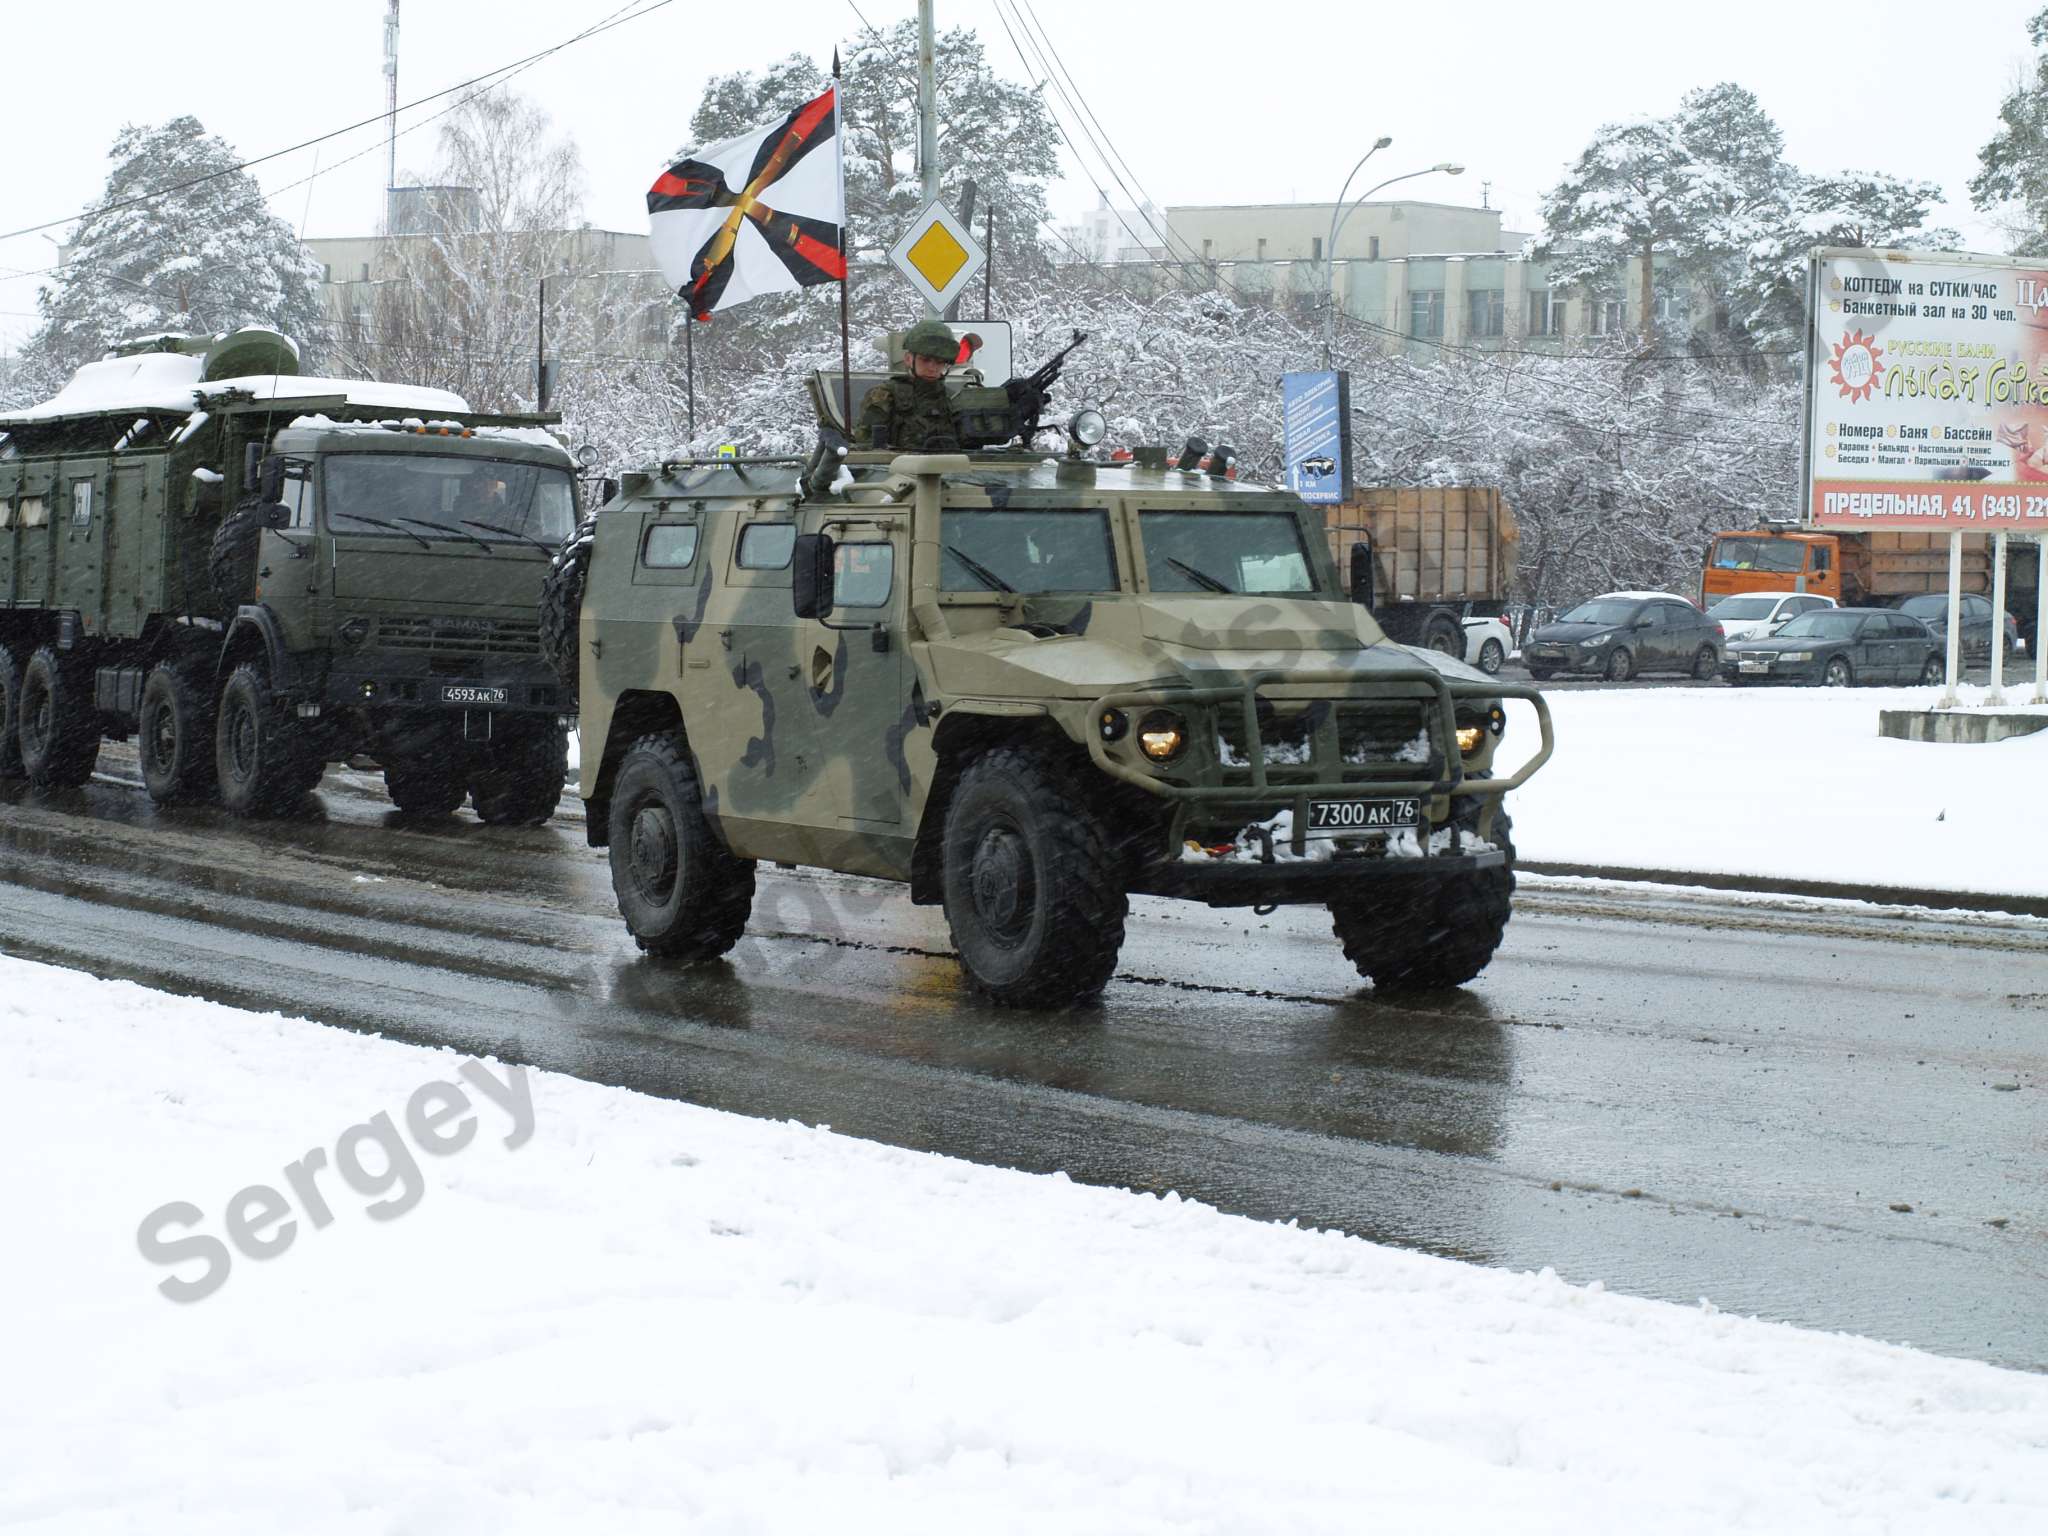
{"x":179,"y":240}
{"x":2012,"y":175}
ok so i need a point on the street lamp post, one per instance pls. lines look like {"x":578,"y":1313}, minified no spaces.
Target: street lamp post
{"x":1340,"y":215}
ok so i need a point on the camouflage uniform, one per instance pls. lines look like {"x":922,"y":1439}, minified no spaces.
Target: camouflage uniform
{"x":910,"y":414}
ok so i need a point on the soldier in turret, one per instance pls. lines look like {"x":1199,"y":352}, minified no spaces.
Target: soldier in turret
{"x":912,"y":413}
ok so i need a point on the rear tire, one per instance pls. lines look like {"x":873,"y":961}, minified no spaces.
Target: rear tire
{"x":1934,"y":672}
{"x":425,"y":786}
{"x":1444,"y":635}
{"x":261,"y":769}
{"x":10,"y":715}
{"x":60,"y":727}
{"x":1705,"y":664}
{"x":520,"y":783}
{"x":174,"y":738}
{"x":1032,"y":883}
{"x":1491,"y":655}
{"x":1431,"y":935}
{"x":683,"y":895}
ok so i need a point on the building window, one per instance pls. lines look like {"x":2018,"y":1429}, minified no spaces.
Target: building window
{"x":1207,"y":246}
{"x":1426,"y":313}
{"x":1373,"y":248}
{"x":1315,"y":248}
{"x":1488,"y":312}
{"x":1672,"y":309}
{"x":1539,"y":313}
{"x":1262,"y":248}
{"x":1609,"y":317}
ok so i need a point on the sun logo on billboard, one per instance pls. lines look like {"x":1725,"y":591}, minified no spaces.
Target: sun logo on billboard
{"x":1855,"y":364}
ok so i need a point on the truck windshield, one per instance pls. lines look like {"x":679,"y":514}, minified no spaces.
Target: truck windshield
{"x":471,"y":498}
{"x":1225,"y":552}
{"x":1037,"y":549}
{"x":1763,"y":554}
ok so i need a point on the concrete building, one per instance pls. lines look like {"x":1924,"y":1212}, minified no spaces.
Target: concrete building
{"x":1110,"y":236}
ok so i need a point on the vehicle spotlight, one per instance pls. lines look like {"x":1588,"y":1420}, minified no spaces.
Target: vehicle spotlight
{"x":1088,"y":427}
{"x":1162,"y":736}
{"x":1191,"y":453}
{"x":587,"y":455}
{"x":1222,"y":459}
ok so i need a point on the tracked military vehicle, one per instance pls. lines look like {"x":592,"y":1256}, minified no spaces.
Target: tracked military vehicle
{"x":1028,"y":687}
{"x":256,"y":574}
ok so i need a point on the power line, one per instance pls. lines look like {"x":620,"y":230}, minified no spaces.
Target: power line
{"x":616,"y":19}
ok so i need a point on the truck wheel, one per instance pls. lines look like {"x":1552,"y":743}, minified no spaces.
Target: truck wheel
{"x":174,"y":738}
{"x":682,"y":894}
{"x":262,"y":770}
{"x":60,"y":728}
{"x":10,"y":715}
{"x":1619,"y":664}
{"x":520,"y":783}
{"x":1444,"y":635}
{"x":1033,"y":892}
{"x":1430,"y":935}
{"x":1491,"y":655}
{"x":231,"y":561}
{"x":425,"y":786}
{"x":561,"y":603}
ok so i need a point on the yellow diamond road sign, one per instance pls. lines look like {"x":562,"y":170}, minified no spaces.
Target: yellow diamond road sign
{"x":938,"y":255}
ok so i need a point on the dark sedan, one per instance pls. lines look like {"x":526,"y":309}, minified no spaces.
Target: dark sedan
{"x":1931,"y":608}
{"x":1838,"y":647}
{"x":1624,"y":633}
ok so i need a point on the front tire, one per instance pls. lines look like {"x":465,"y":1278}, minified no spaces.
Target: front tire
{"x":1431,"y":935}
{"x":1705,"y":664}
{"x":520,"y":783}
{"x":1838,"y":674}
{"x":682,"y":893}
{"x":60,"y":727}
{"x":1620,"y":665}
{"x":262,"y":770}
{"x":1491,"y":655}
{"x":174,"y":738}
{"x":1032,"y":885}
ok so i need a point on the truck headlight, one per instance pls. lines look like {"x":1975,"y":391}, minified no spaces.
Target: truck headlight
{"x":1162,"y":736}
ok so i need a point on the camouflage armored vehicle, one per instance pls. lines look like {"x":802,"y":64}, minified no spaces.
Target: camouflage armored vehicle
{"x":1028,"y":687}
{"x":256,"y":574}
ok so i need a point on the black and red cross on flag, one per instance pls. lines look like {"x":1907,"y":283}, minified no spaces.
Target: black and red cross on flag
{"x":762,"y":213}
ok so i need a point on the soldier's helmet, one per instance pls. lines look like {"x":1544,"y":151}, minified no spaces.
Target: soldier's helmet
{"x":931,"y":338}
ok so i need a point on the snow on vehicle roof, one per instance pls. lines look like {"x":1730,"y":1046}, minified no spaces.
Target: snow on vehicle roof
{"x":1672,"y":595}
{"x":538,"y":437}
{"x":170,"y":381}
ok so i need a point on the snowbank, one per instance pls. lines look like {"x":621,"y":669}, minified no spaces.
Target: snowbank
{"x":653,"y":1317}
{"x":1786,"y":782}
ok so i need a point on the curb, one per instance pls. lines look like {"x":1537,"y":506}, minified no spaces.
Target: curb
{"x":1763,"y":885}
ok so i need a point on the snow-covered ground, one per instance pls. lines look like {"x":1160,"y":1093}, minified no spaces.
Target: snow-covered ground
{"x":1788,"y":782}
{"x":648,"y":1316}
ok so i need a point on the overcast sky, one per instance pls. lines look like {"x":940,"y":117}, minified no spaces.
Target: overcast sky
{"x":1208,"y":102}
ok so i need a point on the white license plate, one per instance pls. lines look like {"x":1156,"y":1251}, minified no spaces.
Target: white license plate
{"x":1747,"y":664}
{"x":1341,"y":818}
{"x":462,"y":693}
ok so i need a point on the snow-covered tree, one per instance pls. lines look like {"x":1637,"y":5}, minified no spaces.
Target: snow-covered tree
{"x":178,"y":240}
{"x":2012,"y":169}
{"x":458,"y":290}
{"x":995,"y":133}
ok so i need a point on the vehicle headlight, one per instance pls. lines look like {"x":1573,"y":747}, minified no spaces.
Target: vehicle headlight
{"x":1113,"y":723}
{"x":1162,"y":736}
{"x":1469,"y":737}
{"x":1795,"y":656}
{"x":1472,"y":734}
{"x":1592,"y":642}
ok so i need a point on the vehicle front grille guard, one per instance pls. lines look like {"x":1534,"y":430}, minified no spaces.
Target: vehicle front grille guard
{"x":1446,"y":765}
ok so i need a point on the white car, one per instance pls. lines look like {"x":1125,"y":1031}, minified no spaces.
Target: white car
{"x":1487,"y":643}
{"x":1752,"y":615}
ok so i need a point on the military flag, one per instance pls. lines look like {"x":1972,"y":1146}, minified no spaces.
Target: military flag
{"x":762,"y":213}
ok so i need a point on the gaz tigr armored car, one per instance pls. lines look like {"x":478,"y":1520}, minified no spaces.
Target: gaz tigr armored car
{"x":256,"y":574}
{"x":1026,"y":687}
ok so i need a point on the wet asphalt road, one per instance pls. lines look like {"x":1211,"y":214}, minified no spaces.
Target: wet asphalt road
{"x":1681,"y":1095}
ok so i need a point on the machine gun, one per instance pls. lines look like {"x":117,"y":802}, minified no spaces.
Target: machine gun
{"x":1028,"y":395}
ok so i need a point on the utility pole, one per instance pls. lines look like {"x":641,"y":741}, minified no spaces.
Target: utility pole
{"x":927,"y":109}
{"x":390,"y":108}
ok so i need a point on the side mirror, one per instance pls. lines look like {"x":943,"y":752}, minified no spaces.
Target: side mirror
{"x":270,"y":479}
{"x":810,"y":577}
{"x":607,"y":491}
{"x":276,"y":515}
{"x":1642,"y":624}
{"x":1362,"y":575}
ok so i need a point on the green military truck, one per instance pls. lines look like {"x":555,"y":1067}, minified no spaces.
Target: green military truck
{"x":1028,"y":687}
{"x":256,"y":574}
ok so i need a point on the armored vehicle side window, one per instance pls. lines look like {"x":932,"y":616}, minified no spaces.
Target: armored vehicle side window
{"x":35,"y":512}
{"x":669,"y":546}
{"x":1037,"y":549}
{"x":862,"y":575}
{"x":298,"y":493}
{"x":1225,"y":552}
{"x":767,"y":546}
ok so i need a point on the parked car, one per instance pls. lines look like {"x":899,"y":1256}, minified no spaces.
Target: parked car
{"x":1839,"y":647}
{"x":1746,"y":615}
{"x":1624,"y":633}
{"x":1931,"y":608}
{"x":1487,"y":643}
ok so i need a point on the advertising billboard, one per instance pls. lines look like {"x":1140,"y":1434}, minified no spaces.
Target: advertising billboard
{"x":1927,"y":392}
{"x":1315,"y":428}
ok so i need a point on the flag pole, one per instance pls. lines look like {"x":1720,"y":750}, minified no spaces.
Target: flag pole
{"x":690,"y":370}
{"x":845,"y":267}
